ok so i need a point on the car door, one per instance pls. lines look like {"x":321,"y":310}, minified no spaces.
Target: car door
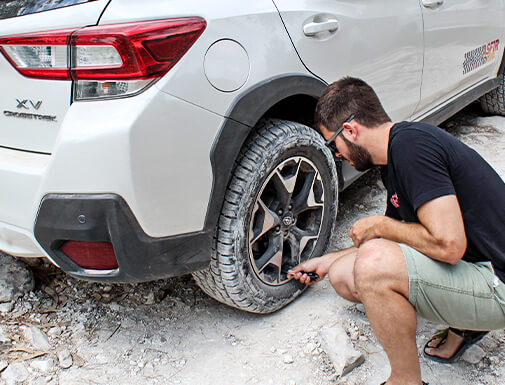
{"x":378,"y":41}
{"x":463,"y":46}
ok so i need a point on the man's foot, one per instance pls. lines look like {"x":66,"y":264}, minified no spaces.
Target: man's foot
{"x":448,"y":345}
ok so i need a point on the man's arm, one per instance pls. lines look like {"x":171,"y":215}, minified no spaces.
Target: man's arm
{"x":440,"y":235}
{"x":320,"y":266}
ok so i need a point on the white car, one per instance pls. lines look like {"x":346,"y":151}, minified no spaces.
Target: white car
{"x":147,"y":139}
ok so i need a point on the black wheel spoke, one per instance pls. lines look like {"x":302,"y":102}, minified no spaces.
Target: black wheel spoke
{"x":298,"y":240}
{"x":272,"y":257}
{"x":305,"y":199}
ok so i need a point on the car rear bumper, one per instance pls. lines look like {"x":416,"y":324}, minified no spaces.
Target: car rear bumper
{"x":107,"y":218}
{"x":139,"y":150}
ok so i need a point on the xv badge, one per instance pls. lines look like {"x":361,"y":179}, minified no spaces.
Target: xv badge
{"x":22,"y":104}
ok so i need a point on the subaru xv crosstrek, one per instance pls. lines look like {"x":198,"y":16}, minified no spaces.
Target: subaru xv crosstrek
{"x":141,"y":140}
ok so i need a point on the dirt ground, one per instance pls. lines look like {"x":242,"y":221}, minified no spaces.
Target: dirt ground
{"x":170,"y":332}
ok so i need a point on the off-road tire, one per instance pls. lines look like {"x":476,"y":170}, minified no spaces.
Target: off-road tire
{"x":493,"y":103}
{"x":231,"y":278}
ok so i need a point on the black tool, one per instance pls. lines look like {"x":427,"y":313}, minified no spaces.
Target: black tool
{"x":313,"y":276}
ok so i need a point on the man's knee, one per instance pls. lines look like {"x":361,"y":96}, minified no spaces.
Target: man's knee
{"x":379,"y":263}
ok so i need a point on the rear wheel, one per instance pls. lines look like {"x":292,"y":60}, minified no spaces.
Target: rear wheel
{"x":493,"y":102}
{"x":279,"y":210}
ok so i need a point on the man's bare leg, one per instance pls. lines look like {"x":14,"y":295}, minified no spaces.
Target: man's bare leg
{"x":377,"y":276}
{"x":341,"y":276}
{"x":381,"y":281}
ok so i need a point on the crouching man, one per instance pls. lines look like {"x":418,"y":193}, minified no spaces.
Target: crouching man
{"x":439,"y":250}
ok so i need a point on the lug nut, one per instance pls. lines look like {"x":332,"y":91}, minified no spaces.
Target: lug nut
{"x":278,"y":228}
{"x":280,"y":212}
{"x":290,"y":207}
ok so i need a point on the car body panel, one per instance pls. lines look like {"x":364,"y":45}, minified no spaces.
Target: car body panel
{"x":145,"y":154}
{"x":132,"y":155}
{"x":259,"y":21}
{"x":362,"y":45}
{"x":454,"y":34}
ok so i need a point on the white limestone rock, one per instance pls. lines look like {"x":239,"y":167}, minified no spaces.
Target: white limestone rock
{"x":15,"y":278}
{"x":44,"y":365}
{"x":339,"y":349}
{"x":65,"y":359}
{"x":36,"y":337}
{"x":474,"y":354}
{"x":16,"y":373}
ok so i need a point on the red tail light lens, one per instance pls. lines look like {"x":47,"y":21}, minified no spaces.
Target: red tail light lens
{"x":91,"y":255}
{"x":147,"y":49}
{"x":130,"y":52}
{"x":40,"y":55}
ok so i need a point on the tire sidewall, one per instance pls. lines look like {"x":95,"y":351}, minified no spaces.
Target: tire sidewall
{"x":302,"y":141}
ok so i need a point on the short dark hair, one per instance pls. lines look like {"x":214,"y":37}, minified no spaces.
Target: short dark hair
{"x":349,"y":96}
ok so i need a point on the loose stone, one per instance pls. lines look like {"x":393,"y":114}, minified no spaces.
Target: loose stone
{"x":65,"y":359}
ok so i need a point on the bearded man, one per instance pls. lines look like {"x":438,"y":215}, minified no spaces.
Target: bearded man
{"x":439,"y":250}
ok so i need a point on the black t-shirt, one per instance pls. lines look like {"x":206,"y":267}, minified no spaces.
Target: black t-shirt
{"x":424,"y":163}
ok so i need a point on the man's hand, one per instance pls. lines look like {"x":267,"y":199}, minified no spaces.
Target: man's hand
{"x":320,"y":266}
{"x":365,"y":229}
{"x":317,"y":265}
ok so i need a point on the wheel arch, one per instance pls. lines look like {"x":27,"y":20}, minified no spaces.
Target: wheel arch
{"x":271,"y":98}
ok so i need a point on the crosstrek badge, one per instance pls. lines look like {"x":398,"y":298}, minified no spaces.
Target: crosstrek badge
{"x":395,"y":201}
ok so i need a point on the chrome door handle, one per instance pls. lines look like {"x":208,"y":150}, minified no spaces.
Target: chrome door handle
{"x":432,"y":3}
{"x":315,"y":27}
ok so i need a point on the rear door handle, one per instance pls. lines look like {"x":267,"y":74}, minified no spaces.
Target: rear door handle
{"x":432,"y":3}
{"x":314,"y":27}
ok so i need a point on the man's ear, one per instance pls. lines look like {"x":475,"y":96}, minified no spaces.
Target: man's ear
{"x":352,"y":129}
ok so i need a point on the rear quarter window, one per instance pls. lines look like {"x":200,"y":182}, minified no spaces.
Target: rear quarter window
{"x":13,"y":8}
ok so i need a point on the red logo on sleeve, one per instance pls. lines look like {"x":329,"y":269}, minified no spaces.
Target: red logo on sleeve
{"x":394,"y":200}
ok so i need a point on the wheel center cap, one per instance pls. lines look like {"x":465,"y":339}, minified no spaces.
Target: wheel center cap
{"x":287,"y":220}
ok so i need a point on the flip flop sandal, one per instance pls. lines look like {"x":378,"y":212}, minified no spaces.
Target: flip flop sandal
{"x":424,"y":383}
{"x":470,"y":337}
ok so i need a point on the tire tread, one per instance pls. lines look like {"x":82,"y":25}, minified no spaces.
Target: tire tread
{"x":221,"y":280}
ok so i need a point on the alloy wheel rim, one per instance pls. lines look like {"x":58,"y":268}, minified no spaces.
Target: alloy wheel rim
{"x":286,"y":219}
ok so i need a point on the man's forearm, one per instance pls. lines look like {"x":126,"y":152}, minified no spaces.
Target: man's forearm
{"x":416,"y":236}
{"x":339,"y":254}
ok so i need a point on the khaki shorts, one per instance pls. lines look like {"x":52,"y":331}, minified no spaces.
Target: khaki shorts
{"x":465,"y":296}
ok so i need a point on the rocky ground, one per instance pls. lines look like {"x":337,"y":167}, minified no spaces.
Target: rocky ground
{"x":58,"y":330}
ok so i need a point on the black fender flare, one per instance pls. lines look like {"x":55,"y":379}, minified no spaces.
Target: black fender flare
{"x":240,"y":120}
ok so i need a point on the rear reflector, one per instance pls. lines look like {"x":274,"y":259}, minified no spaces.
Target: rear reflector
{"x":91,"y":255}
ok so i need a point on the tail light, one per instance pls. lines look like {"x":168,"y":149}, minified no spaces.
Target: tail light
{"x":104,"y":61}
{"x":91,"y":255}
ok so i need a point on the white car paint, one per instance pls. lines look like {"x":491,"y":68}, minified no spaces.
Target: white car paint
{"x":452,"y":29}
{"x":378,"y":41}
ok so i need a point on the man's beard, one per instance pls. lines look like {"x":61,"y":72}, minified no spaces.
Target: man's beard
{"x":359,"y":156}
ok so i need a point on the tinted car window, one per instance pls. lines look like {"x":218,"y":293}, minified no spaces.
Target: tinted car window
{"x":13,"y":8}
